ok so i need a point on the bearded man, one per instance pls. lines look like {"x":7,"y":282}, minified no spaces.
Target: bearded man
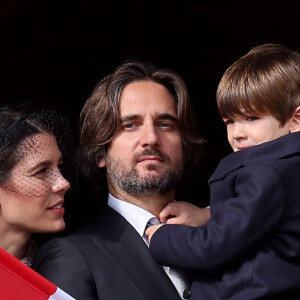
{"x":136,"y":126}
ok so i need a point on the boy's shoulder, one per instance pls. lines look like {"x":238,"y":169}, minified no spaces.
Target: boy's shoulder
{"x":274,"y":150}
{"x":263,"y":154}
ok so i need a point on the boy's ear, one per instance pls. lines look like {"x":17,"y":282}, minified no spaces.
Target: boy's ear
{"x":101,"y":163}
{"x":295,"y":120}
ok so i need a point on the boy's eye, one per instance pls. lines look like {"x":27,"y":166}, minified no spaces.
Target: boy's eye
{"x":252,"y":118}
{"x":228,"y":121}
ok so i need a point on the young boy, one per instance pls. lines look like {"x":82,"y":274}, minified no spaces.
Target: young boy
{"x":250,"y":247}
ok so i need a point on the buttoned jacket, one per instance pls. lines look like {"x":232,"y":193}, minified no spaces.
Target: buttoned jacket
{"x":250,"y":248}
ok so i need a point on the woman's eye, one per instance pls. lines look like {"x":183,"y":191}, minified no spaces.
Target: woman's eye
{"x":41,"y":171}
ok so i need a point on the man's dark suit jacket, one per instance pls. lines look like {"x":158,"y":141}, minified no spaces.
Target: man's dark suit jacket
{"x":250,"y":248}
{"x":106,"y":260}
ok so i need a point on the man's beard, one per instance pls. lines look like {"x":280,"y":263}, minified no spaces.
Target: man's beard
{"x":130,"y":181}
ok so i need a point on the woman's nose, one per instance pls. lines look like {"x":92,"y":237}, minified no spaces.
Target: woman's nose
{"x":60,"y":183}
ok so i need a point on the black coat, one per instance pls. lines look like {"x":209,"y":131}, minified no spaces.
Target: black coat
{"x":106,"y":260}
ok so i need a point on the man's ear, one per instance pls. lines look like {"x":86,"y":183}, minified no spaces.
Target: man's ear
{"x":295,"y":120}
{"x":101,"y":163}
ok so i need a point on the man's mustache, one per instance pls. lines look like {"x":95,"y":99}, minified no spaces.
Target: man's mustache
{"x":151,"y":152}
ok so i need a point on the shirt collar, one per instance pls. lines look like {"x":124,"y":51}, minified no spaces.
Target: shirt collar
{"x":135,"y":215}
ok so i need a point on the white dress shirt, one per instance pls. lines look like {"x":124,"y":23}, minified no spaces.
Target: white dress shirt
{"x":135,"y":215}
{"x":139,"y":218}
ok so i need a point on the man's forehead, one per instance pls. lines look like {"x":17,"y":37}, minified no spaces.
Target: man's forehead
{"x":140,"y":108}
{"x":145,"y":91}
{"x":161,"y":115}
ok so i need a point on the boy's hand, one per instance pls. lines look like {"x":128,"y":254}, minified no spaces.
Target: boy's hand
{"x":150,"y":231}
{"x":184,"y":213}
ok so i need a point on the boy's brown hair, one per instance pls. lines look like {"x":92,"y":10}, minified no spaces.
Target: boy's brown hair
{"x":264,"y":81}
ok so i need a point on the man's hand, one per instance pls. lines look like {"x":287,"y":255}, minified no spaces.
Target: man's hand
{"x":150,"y":231}
{"x":184,"y":213}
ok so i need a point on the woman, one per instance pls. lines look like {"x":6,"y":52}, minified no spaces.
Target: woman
{"x":33,"y":155}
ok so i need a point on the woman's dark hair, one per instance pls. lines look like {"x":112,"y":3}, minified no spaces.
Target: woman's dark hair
{"x":19,"y":123}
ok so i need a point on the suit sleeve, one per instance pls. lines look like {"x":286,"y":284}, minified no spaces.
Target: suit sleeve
{"x":62,"y":263}
{"x":239,"y":224}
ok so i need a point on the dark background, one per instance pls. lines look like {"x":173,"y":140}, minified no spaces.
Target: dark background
{"x":54,"y":52}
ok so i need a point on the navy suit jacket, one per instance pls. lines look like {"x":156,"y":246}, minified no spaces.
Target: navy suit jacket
{"x":107,"y":260}
{"x":250,"y":248}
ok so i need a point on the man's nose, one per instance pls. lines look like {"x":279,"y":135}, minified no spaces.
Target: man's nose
{"x":149,"y":135}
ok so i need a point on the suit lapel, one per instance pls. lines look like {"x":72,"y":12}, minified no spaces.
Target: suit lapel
{"x":129,"y":253}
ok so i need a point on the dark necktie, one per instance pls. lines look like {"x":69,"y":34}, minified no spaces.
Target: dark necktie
{"x":179,"y":279}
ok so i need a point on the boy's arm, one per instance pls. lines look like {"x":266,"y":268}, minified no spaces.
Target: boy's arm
{"x":238,"y":223}
{"x":183,"y":213}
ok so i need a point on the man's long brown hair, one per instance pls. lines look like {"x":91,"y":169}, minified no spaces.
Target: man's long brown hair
{"x":100,"y":118}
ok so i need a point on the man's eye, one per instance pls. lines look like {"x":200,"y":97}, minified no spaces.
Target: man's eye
{"x":164,"y":124}
{"x":128,"y":126}
{"x":167,"y":125}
